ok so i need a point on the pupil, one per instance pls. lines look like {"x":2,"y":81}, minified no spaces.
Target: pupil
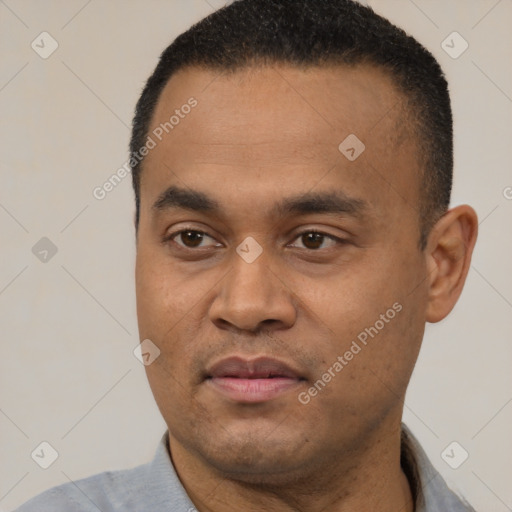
{"x":311,"y":240}
{"x":194,"y":236}
{"x":315,"y":239}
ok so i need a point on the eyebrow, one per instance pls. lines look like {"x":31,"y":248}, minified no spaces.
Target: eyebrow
{"x":302,"y":204}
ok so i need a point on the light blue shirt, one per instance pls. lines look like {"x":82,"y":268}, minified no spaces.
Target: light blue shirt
{"x":155,"y":487}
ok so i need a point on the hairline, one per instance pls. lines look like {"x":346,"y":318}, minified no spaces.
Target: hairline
{"x":404,"y":120}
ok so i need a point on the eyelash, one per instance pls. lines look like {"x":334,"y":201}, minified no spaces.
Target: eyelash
{"x":171,"y":236}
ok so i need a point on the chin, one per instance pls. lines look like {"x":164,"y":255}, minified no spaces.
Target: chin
{"x":269,"y":471}
{"x":257,"y":459}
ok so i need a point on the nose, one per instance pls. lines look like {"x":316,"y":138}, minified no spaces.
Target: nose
{"x":253,"y":296}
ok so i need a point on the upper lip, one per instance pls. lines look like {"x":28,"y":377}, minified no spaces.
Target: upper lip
{"x":258,"y":368}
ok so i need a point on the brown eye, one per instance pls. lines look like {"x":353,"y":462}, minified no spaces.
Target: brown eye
{"x":313,"y":240}
{"x":189,"y":238}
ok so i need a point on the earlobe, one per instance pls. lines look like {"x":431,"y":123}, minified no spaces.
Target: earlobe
{"x":449,"y":250}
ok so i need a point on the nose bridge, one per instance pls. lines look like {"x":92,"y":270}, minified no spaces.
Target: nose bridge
{"x":251,"y":294}
{"x":251,"y":279}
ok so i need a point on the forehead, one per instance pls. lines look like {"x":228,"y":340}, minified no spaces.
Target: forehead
{"x":317,"y":100}
{"x":279,"y":126}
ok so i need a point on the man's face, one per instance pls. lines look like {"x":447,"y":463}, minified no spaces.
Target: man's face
{"x":263,"y":146}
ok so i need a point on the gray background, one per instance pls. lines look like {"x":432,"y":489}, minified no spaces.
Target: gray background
{"x":68,"y":375}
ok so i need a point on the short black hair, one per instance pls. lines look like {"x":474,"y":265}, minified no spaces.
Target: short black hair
{"x":313,"y":33}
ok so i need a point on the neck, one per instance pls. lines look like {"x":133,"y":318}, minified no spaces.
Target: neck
{"x":371,"y":479}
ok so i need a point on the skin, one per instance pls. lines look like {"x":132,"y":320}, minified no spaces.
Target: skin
{"x":258,"y":136}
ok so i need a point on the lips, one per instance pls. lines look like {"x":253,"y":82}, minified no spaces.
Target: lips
{"x":261,"y":368}
{"x":250,"y":381}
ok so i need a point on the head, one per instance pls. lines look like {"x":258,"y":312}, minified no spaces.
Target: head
{"x":292,"y":203}
{"x":309,"y":34}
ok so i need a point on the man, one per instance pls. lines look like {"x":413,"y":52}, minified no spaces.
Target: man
{"x":292,"y":166}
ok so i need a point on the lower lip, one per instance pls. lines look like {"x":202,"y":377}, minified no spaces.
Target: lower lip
{"x":252,"y":390}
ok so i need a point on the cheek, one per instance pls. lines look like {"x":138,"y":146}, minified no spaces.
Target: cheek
{"x":171,"y":306}
{"x":165,"y":303}
{"x":152,"y":296}
{"x":163,"y":294}
{"x":376,"y":325}
{"x":368,"y":368}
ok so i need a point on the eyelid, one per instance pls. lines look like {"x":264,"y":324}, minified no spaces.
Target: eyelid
{"x":335,"y":238}
{"x":169,"y":237}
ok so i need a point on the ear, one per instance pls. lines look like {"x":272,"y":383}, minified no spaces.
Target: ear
{"x":449,"y":250}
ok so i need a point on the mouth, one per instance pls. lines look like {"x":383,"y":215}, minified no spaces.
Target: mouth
{"x":252,"y":381}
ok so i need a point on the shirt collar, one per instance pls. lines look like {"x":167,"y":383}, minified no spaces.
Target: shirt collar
{"x":428,"y":487}
{"x":430,"y":492}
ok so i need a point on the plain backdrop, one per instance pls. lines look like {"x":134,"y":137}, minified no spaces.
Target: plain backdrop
{"x":68,"y":374}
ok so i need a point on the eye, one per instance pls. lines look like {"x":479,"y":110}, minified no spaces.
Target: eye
{"x":192,"y":239}
{"x":314,"y":239}
{"x":189,"y":238}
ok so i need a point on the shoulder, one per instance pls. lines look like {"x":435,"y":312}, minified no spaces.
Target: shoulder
{"x":104,"y":491}
{"x":430,"y":490}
